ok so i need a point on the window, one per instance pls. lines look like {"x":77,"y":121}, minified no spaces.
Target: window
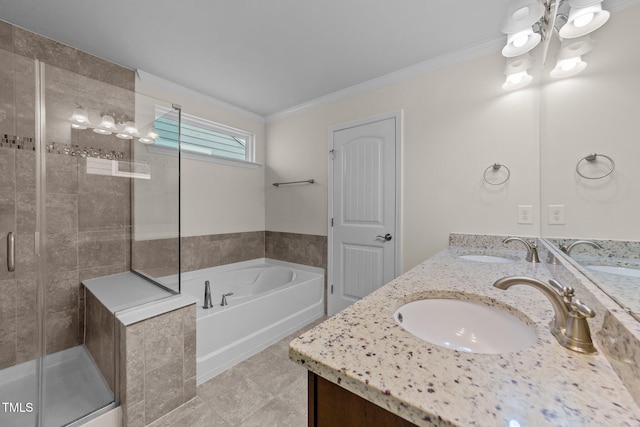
{"x":203,"y":138}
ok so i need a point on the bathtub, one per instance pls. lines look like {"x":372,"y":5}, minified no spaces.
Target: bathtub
{"x":271,"y":299}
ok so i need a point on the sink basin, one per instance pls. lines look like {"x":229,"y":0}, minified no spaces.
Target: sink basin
{"x":465,"y":326}
{"x":620,"y":271}
{"x":486,"y":258}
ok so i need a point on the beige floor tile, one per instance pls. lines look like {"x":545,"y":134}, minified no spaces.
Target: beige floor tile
{"x":265,"y":390}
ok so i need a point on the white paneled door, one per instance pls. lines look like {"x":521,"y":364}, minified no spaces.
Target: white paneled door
{"x":363,"y":210}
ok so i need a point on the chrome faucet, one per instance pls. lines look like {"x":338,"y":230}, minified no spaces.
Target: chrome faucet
{"x":569,"y":325}
{"x":207,"y":295}
{"x":224,"y":298}
{"x":567,"y":248}
{"x":532,"y":248}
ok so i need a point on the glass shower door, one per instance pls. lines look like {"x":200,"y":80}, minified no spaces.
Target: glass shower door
{"x":19,"y":316}
{"x":84,"y":232}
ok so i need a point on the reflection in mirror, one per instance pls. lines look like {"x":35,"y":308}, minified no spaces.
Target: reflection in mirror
{"x":594,"y":110}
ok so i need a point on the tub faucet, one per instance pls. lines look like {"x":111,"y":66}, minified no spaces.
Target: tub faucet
{"x":224,"y":298}
{"x":569,"y":325}
{"x":532,"y":248}
{"x":567,"y":248}
{"x":207,"y":295}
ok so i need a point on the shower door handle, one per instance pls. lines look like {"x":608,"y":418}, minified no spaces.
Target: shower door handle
{"x":11,"y":251}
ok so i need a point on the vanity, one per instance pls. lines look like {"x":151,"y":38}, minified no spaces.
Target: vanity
{"x":366,"y":369}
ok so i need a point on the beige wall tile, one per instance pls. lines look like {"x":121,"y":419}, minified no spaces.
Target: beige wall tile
{"x":25,"y":213}
{"x":61,"y":213}
{"x":62,"y":252}
{"x":164,"y":390}
{"x":105,"y":71}
{"x":163,"y":340}
{"x":134,"y":416}
{"x":62,"y":173}
{"x":101,"y":212}
{"x":31,"y":45}
{"x":7,"y":93}
{"x":61,"y":330}
{"x":62,"y":291}
{"x":6,"y":36}
{"x":101,"y":248}
{"x":7,"y":323}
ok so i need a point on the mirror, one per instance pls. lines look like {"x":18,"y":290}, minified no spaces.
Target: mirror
{"x":596,"y":198}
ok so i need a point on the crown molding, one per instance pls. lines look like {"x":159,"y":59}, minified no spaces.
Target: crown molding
{"x":442,"y":61}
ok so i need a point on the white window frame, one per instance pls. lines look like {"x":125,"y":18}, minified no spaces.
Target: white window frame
{"x":250,"y":149}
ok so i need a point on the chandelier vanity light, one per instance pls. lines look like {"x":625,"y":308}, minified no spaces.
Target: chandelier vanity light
{"x":528,"y":22}
{"x":125,"y":129}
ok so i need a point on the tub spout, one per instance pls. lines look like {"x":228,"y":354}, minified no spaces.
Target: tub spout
{"x":207,"y":295}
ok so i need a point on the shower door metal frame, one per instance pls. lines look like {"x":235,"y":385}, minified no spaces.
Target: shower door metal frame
{"x":40,"y":236}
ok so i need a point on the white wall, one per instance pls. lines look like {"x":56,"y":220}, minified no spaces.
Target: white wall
{"x":596,"y":111}
{"x":457,"y":122}
{"x":216,"y":198}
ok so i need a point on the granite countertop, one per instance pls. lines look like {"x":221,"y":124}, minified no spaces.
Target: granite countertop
{"x":365,"y":351}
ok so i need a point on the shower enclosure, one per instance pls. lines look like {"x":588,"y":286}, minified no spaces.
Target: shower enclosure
{"x":81,"y":196}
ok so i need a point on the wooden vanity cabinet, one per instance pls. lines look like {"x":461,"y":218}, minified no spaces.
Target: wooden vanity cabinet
{"x":332,"y":406}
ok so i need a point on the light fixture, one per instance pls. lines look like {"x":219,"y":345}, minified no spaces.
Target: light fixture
{"x":129,"y":131}
{"x":585,"y":16}
{"x":516,"y":72}
{"x":522,"y":15}
{"x":79,"y":119}
{"x":149,"y":138}
{"x":569,"y":60}
{"x":107,"y":125}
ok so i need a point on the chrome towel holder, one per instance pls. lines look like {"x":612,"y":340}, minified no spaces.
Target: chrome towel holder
{"x":306,"y":181}
{"x":592,"y":157}
{"x":495,"y":168}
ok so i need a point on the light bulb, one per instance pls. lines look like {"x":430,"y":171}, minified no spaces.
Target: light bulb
{"x":568,"y":67}
{"x":569,"y":64}
{"x":516,"y":77}
{"x":583,"y":20}
{"x":79,"y":119}
{"x":107,"y":125}
{"x":520,"y":40}
{"x":517,"y":80}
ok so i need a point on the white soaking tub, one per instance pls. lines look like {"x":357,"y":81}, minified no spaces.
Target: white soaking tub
{"x":271,"y":299}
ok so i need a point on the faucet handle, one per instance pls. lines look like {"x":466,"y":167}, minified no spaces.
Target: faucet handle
{"x":582,"y":309}
{"x":566,"y":292}
{"x":532,"y":243}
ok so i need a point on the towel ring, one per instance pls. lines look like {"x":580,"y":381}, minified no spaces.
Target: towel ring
{"x":495,"y":167}
{"x":592,"y":158}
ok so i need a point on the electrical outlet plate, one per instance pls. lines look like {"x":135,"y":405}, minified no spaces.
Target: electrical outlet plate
{"x":556,"y":214}
{"x":525,"y":214}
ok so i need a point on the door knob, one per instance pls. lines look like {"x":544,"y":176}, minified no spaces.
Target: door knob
{"x":386,"y":237}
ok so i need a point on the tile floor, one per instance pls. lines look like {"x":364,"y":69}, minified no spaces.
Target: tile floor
{"x":265,"y":390}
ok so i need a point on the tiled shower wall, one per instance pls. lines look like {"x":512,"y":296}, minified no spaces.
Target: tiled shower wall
{"x":88,"y":216}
